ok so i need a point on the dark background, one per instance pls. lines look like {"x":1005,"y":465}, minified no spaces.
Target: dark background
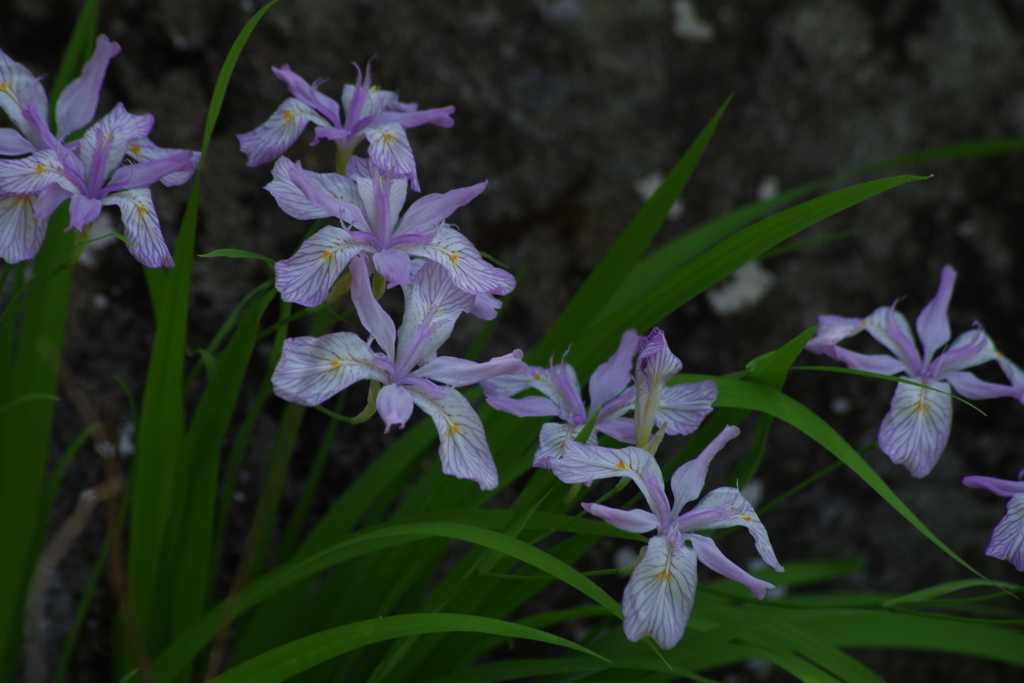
{"x":563,"y":106}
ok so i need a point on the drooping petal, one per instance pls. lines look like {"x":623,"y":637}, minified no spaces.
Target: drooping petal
{"x":582,"y":463}
{"x":378,"y":323}
{"x":76,"y":106}
{"x":307,"y":277}
{"x":712,"y":558}
{"x":510,"y":385}
{"x":394,"y":405}
{"x":684,"y":406}
{"x":394,"y":266}
{"x":434,"y":303}
{"x":890,"y":328}
{"x":145,"y":150}
{"x":612,"y":376}
{"x":915,"y":430}
{"x":1000,"y":487}
{"x":833,"y":329}
{"x":968,"y":350}
{"x":273,"y":138}
{"x":429,"y":212}
{"x":485,"y":307}
{"x":933,"y":320}
{"x":146,"y":173}
{"x":21,"y":231}
{"x":20,"y":91}
{"x":32,"y":174}
{"x":635,"y":521}
{"x":312,"y":369}
{"x":141,"y":227}
{"x":877,"y":363}
{"x":295,"y":203}
{"x":458,"y":372}
{"x":529,"y":406}
{"x":553,"y":438}
{"x":969,"y":386}
{"x":467,"y":269}
{"x":463,"y":450}
{"x":84,"y":210}
{"x":47,"y":201}
{"x":1008,"y":537}
{"x":688,"y":481}
{"x":619,"y":428}
{"x":411,"y":119}
{"x":329,"y":202}
{"x":308,"y":94}
{"x":13,"y":144}
{"x":391,"y":152}
{"x":659,"y":596}
{"x":731,"y":509}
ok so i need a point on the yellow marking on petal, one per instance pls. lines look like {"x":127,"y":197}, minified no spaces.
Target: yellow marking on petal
{"x":5,"y":87}
{"x":453,"y":429}
{"x":374,"y":88}
{"x":454,"y":257}
{"x":135,"y":149}
{"x":335,"y":363}
{"x":536,"y":375}
{"x":665,"y":575}
{"x":325,"y":254}
{"x":39,"y":168}
{"x":921,"y":407}
{"x":745,"y":518}
{"x":621,"y":465}
{"x":287,"y":115}
{"x":141,"y":209}
{"x":999,"y":354}
{"x":864,"y":323}
{"x":388,"y":138}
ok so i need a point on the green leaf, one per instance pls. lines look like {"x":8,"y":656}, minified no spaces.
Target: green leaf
{"x":238,"y":253}
{"x":934,"y":592}
{"x":25,"y":398}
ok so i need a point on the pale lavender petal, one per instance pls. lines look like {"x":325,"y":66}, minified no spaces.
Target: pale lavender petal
{"x":915,"y":430}
{"x":485,"y":307}
{"x":84,"y":210}
{"x":634,"y":521}
{"x":553,"y":438}
{"x":273,"y":138}
{"x":429,"y":212}
{"x":146,"y":173}
{"x":890,"y":328}
{"x":47,"y":201}
{"x":378,"y":323}
{"x":330,"y":203}
{"x":1000,"y":487}
{"x":877,"y":363}
{"x":688,"y":481}
{"x":312,"y":369}
{"x":612,"y":376}
{"x":463,"y":450}
{"x":460,"y":258}
{"x":21,"y":231}
{"x":712,"y":558}
{"x":968,"y":385}
{"x":655,"y":365}
{"x":432,"y":301}
{"x":659,"y":596}
{"x":394,"y":405}
{"x":684,"y":406}
{"x":833,"y":329}
{"x":619,"y":428}
{"x":530,"y":406}
{"x":76,"y":106}
{"x":295,"y":203}
{"x":411,"y":119}
{"x":145,"y":150}
{"x":307,"y":93}
{"x":13,"y":144}
{"x":104,"y":145}
{"x":732,"y":509}
{"x":510,"y":385}
{"x":382,"y":196}
{"x":20,"y":91}
{"x":1008,"y":537}
{"x":458,"y":372}
{"x":968,"y":350}
{"x":307,"y":277}
{"x":390,"y":151}
{"x":31,"y":175}
{"x":141,"y":227}
{"x":582,"y":463}
{"x":394,"y":266}
{"x":933,"y":320}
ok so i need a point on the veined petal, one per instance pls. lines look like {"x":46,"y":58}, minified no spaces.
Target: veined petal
{"x":688,"y":481}
{"x":47,"y":201}
{"x":273,"y":138}
{"x":582,"y":463}
{"x":659,"y":596}
{"x":712,"y":558}
{"x":1000,"y":487}
{"x":969,"y":386}
{"x":31,"y":175}
{"x":12,"y":144}
{"x":442,"y":116}
{"x":833,"y":329}
{"x":104,"y":144}
{"x":655,"y":365}
{"x":394,"y":405}
{"x":145,"y":150}
{"x":145,"y":173}
{"x":312,"y":369}
{"x":390,"y":151}
{"x":510,"y":385}
{"x":458,"y":372}
{"x":429,"y":212}
{"x":915,"y":430}
{"x":394,"y":266}
{"x":612,"y":376}
{"x":528,"y":406}
{"x":295,"y":203}
{"x":634,"y":521}
{"x":878,"y":363}
{"x":376,"y":321}
{"x":308,"y":94}
{"x":968,"y":350}
{"x":933,"y":320}
{"x":890,"y":328}
{"x":463,"y":450}
{"x":76,"y":106}
{"x":619,"y":428}
{"x":456,"y":254}
{"x":322,"y":197}
{"x":732,"y":509}
{"x":432,"y":301}
{"x":141,"y":227}
{"x":684,"y":406}
{"x":307,"y":277}
{"x":21,"y":232}
{"x":1008,"y":537}
{"x":20,"y":90}
{"x":553,"y":438}
{"x":383,"y":196}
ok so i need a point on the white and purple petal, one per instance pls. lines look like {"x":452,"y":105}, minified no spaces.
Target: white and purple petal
{"x":553,"y":439}
{"x":730,"y":509}
{"x":21,"y":231}
{"x":294,"y":202}
{"x":13,"y":144}
{"x":459,"y":372}
{"x":141,"y":227}
{"x":688,"y":481}
{"x":272,"y":138}
{"x":1008,"y":537}
{"x":307,"y":277}
{"x":1000,"y":487}
{"x":712,"y":558}
{"x":104,"y":144}
{"x":877,"y":363}
{"x":432,"y":302}
{"x":659,"y":596}
{"x":583,"y":463}
{"x":32,"y":174}
{"x":833,"y":329}
{"x":467,"y":269}
{"x":76,"y":106}
{"x":20,"y":91}
{"x":329,"y":202}
{"x":429,"y":212}
{"x":463,"y":448}
{"x":634,"y":521}
{"x":915,"y":430}
{"x":394,"y":405}
{"x":371,"y":314}
{"x":968,"y":384}
{"x":313,"y":369}
{"x":146,"y":150}
{"x":307,"y":93}
{"x":933,"y":320}
{"x":684,"y":406}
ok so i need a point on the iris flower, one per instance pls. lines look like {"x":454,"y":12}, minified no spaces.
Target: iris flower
{"x":659,"y":596}
{"x":1008,"y":537}
{"x":915,"y":430}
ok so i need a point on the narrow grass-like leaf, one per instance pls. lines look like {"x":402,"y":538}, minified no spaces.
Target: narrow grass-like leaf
{"x":25,"y":398}
{"x":238,"y":253}
{"x":291,"y":659}
{"x":932,"y":593}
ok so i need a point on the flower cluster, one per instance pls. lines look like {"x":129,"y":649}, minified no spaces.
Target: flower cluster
{"x":112,"y":163}
{"x":441,"y":273}
{"x":660,"y":593}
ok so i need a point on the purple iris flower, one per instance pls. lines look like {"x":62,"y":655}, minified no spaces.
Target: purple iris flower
{"x":371,"y":203}
{"x":659,"y":596}
{"x":312,"y":369}
{"x":89,"y":170}
{"x":915,"y":430}
{"x":370,"y":113}
{"x":1008,"y":537}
